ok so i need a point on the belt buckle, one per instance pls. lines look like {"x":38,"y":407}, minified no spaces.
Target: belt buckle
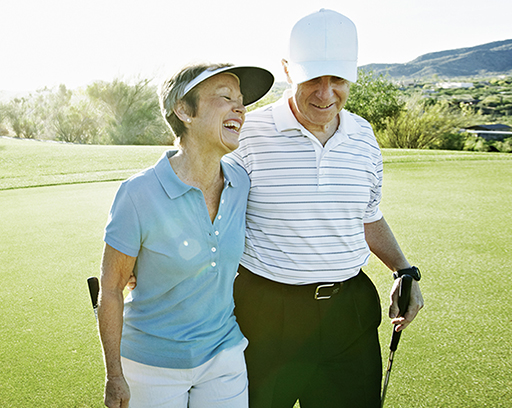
{"x":319,"y":287}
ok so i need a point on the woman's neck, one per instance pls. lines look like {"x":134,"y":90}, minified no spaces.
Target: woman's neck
{"x":197,"y":168}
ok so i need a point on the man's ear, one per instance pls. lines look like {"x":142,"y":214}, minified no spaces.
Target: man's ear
{"x":285,"y":67}
{"x":181,"y":111}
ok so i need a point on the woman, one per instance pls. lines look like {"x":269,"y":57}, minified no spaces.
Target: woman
{"x":179,"y":228}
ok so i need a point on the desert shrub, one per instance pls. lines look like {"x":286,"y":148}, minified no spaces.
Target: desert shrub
{"x":476,"y":144}
{"x":131,"y":113}
{"x":423,"y":125}
{"x":450,"y":141}
{"x":19,"y":119}
{"x":504,"y":146}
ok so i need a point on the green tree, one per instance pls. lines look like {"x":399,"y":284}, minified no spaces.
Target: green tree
{"x":18,"y":117}
{"x":374,"y":98}
{"x":130,"y":113}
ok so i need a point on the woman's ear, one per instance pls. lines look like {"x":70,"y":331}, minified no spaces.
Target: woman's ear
{"x":181,"y":111}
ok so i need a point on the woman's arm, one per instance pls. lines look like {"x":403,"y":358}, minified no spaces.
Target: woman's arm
{"x":116,"y":269}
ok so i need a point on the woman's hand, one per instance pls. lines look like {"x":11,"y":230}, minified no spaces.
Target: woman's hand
{"x":132,"y":283}
{"x":117,"y":392}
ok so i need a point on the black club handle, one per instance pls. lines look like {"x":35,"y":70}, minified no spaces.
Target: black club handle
{"x":404,"y":296}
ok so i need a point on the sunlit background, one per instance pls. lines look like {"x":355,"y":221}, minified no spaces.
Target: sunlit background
{"x":52,"y":42}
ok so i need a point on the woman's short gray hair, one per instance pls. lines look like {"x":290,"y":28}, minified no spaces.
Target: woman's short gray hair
{"x":172,"y":90}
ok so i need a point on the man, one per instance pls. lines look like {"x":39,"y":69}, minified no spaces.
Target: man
{"x":309,"y":311}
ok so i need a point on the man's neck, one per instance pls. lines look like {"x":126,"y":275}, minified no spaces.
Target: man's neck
{"x":323,"y":132}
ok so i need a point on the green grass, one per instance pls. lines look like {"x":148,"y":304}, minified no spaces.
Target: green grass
{"x":449,"y":210}
{"x":31,"y":163}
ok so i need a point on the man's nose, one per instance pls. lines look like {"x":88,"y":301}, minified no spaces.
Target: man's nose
{"x":325,"y":89}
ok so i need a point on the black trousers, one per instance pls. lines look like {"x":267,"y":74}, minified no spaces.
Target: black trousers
{"x":325,"y":353}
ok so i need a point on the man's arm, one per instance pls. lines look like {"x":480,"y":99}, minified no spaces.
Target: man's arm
{"x":383,"y":244}
{"x":116,"y":269}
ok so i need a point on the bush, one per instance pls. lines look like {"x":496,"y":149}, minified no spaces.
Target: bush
{"x":18,"y":116}
{"x":476,"y":144}
{"x":111,"y":113}
{"x":3,"y":130}
{"x":423,"y":125}
{"x":505,"y":146}
{"x":451,"y":141}
{"x":76,"y":124}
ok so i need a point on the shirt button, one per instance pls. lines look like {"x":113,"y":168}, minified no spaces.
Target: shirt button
{"x":222,"y":202}
{"x":216,"y":232}
{"x":219,"y":217}
{"x":214,"y":249}
{"x":214,"y":264}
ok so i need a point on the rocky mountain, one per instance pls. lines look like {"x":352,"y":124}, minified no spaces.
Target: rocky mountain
{"x":493,"y":58}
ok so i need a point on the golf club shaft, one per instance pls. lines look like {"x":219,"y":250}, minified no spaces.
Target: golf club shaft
{"x":386,"y":380}
{"x":404,"y":295}
{"x":94,"y":289}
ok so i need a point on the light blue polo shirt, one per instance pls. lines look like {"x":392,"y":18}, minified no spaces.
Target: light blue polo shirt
{"x":181,"y":313}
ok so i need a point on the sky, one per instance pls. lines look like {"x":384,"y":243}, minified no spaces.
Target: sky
{"x":52,"y":42}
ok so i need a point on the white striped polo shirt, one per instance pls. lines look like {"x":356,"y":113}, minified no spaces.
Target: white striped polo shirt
{"x":308,"y":202}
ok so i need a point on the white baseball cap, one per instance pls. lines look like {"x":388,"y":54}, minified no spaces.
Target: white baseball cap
{"x":323,"y":43}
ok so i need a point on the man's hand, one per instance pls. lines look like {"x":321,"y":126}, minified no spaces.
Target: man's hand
{"x":415,"y":304}
{"x":132,"y":283}
{"x":117,"y":393}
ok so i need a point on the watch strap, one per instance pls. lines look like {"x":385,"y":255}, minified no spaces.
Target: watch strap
{"x":413,"y":271}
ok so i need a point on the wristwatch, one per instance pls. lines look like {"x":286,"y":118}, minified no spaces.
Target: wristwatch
{"x":412,"y":271}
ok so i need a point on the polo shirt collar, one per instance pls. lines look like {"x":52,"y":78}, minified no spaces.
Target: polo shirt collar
{"x":172,"y":184}
{"x":285,"y":120}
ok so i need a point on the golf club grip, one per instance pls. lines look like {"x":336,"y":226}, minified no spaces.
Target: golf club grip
{"x":404,"y":295}
{"x":94,"y":289}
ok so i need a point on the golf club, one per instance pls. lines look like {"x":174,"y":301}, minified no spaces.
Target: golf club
{"x":404,"y":295}
{"x":94,"y":288}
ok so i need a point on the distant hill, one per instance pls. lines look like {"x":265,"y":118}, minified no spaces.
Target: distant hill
{"x":494,"y":58}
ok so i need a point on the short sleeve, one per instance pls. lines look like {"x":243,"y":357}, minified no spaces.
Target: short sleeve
{"x":123,"y":231}
{"x":373,"y":212}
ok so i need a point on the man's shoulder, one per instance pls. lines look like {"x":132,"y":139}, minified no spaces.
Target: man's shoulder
{"x":263,"y":114}
{"x":362,"y":130}
{"x":359,"y":120}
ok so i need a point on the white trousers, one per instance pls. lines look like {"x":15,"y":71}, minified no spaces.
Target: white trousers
{"x":220,"y":382}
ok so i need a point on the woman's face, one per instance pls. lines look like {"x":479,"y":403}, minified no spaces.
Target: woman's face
{"x":220,"y":113}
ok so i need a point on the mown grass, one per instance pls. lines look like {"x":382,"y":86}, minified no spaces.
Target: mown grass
{"x":449,"y":210}
{"x":31,"y":163}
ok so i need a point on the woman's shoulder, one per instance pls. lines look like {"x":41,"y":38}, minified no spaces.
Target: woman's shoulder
{"x":234,"y":172}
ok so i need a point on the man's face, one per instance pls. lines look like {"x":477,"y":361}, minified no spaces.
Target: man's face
{"x":319,"y":100}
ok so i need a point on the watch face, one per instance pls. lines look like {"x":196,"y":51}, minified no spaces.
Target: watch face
{"x":415,"y":273}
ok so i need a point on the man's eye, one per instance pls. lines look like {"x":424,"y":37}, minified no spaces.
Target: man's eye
{"x":227,"y":97}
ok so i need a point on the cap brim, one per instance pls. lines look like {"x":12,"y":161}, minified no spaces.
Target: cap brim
{"x":305,"y":71}
{"x":255,"y":82}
